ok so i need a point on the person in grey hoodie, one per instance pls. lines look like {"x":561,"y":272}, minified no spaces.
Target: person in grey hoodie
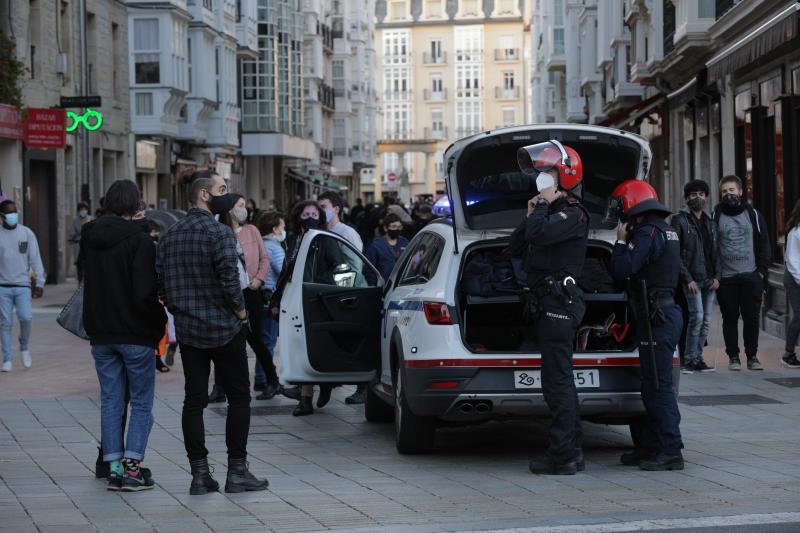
{"x":698,"y":279}
{"x":744,"y":252}
{"x":19,"y":257}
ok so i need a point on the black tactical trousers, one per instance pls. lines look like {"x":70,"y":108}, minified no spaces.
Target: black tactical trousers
{"x":556,"y":326}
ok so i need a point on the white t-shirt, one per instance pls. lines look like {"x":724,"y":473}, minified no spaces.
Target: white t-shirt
{"x":792,"y":258}
{"x":348,"y":234}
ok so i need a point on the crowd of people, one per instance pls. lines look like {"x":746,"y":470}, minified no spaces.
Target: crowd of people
{"x":212,"y":283}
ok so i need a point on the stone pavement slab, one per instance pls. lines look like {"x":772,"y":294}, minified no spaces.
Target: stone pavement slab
{"x":335,"y":471}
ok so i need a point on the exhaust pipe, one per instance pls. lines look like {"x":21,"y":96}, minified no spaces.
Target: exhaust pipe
{"x":466,"y":408}
{"x":483,"y":407}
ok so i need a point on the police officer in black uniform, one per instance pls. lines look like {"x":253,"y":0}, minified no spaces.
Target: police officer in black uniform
{"x":648,"y":250}
{"x":554,"y":236}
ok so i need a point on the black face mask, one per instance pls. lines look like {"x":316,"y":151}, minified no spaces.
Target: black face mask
{"x":219,"y":205}
{"x":309,"y":223}
{"x":696,"y":204}
{"x":731,"y":200}
{"x":393,"y":233}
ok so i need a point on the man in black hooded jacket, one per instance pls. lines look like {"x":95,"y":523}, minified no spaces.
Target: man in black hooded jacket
{"x":125,"y":321}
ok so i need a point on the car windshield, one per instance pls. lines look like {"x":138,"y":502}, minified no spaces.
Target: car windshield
{"x":495,"y":192}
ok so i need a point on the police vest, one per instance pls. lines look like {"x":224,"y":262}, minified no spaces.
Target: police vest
{"x":662,"y":272}
{"x":565,"y":257}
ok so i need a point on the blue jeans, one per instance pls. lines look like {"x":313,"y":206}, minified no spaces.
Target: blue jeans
{"x":269,"y":333}
{"x":113,"y":363}
{"x":11,"y":297}
{"x":701,"y":307}
{"x":793,"y":330}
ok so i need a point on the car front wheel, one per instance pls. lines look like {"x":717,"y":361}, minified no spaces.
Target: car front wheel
{"x":413,"y":434}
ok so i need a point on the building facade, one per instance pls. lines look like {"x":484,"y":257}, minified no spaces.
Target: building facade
{"x":47,"y":184}
{"x":308,"y":100}
{"x":446,"y":70}
{"x":714,"y":85}
{"x":184,"y":92}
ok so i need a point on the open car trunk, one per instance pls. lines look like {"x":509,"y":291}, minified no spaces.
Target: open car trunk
{"x":491,"y":291}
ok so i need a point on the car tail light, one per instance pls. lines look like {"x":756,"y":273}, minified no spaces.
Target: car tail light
{"x":437,"y":313}
{"x":443,"y":384}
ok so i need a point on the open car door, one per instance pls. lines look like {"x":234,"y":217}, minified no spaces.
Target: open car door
{"x":330,"y":314}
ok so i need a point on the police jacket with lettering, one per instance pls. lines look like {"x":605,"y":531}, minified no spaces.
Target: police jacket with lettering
{"x":553,"y":238}
{"x":652,"y":254}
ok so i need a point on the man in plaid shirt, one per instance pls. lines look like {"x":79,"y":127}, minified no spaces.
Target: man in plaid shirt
{"x":199,"y":281}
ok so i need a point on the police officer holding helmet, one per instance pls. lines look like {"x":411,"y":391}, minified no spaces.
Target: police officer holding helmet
{"x":553,"y":236}
{"x":647,"y":256}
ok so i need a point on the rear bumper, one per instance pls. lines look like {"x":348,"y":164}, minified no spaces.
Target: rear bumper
{"x":489,"y":393}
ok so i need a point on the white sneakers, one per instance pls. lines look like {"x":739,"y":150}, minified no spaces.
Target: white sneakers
{"x":26,"y":361}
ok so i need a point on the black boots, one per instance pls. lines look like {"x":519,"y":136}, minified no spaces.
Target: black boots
{"x":324,"y":397}
{"x":661,"y":462}
{"x":202,"y":482}
{"x":304,"y":407}
{"x":240,"y":479}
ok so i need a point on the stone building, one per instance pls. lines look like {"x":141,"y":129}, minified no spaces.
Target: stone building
{"x":446,"y":70}
{"x":47,"y":184}
{"x":714,"y":85}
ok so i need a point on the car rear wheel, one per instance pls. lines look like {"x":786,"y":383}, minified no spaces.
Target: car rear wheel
{"x":413,"y":434}
{"x":375,"y":409}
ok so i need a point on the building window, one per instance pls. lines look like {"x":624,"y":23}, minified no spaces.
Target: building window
{"x":437,"y":121}
{"x":508,"y":80}
{"x":146,"y":51}
{"x":398,"y":10}
{"x":509,"y":117}
{"x":558,"y":40}
{"x":338,"y":78}
{"x":433,"y":8}
{"x":437,"y":85}
{"x":144,"y":104}
{"x":436,"y":51}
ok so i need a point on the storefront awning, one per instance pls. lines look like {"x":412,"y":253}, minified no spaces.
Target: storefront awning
{"x":626,"y":116}
{"x":778,"y":30}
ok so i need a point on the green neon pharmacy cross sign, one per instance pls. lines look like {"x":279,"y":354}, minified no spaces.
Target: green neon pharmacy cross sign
{"x":91,"y":120}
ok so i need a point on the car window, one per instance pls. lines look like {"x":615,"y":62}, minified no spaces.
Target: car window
{"x":332,"y":262}
{"x":422,"y":260}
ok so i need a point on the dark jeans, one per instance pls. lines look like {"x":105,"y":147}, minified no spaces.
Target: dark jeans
{"x":661,"y":431}
{"x":555,"y":332}
{"x":793,"y":292}
{"x":254,"y":305}
{"x":740,"y":295}
{"x":230,"y":362}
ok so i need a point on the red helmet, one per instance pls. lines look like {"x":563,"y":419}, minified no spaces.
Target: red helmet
{"x":550,"y":155}
{"x":634,"y":197}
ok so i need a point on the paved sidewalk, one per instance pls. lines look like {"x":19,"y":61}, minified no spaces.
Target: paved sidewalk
{"x":334,"y":471}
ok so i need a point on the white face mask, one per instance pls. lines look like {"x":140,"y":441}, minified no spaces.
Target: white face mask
{"x":544,"y":180}
{"x":280,"y":237}
{"x":83,"y":213}
{"x":239,"y":214}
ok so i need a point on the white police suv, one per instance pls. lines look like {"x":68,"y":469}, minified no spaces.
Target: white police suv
{"x":445,"y":338}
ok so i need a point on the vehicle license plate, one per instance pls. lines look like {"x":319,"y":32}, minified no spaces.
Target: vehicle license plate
{"x":532,"y":379}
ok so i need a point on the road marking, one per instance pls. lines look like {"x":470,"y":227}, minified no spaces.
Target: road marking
{"x":661,"y":524}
